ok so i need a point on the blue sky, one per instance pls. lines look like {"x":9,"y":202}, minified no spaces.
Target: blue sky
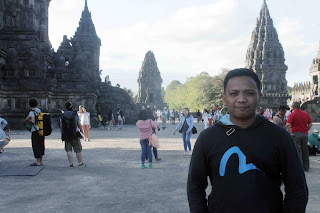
{"x":188,"y":36}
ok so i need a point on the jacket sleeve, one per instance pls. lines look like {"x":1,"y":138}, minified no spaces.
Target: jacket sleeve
{"x":197,"y":180}
{"x":296,"y":190}
{"x":180,"y":124}
{"x":191,"y":123}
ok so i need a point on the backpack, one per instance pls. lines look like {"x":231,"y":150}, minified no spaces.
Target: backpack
{"x":43,"y":120}
{"x":44,"y":124}
{"x":69,"y":128}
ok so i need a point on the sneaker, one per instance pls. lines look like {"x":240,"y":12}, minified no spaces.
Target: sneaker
{"x":150,"y":165}
{"x":82,"y":165}
{"x":71,"y":165}
{"x":158,"y":159}
{"x":185,"y":153}
{"x":190,"y":153}
{"x":143,"y":166}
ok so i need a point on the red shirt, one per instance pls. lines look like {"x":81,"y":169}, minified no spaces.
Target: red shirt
{"x":299,"y":121}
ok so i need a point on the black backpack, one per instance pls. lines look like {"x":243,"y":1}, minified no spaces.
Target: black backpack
{"x":69,"y":127}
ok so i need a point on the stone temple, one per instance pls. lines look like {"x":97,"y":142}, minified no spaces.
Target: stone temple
{"x":29,"y":67}
{"x":265,"y":56}
{"x":149,"y":94}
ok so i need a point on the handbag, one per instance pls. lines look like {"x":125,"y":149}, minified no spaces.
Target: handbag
{"x":180,"y":130}
{"x":154,"y":141}
{"x":29,"y":125}
{"x":194,"y":130}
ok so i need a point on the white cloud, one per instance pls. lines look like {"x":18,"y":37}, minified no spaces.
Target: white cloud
{"x":190,"y":41}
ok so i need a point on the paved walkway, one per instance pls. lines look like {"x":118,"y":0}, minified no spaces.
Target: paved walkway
{"x":113,"y":180}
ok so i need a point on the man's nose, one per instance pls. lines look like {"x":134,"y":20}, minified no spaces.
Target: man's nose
{"x":242,"y":98}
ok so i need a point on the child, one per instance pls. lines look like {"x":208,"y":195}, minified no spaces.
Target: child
{"x":4,"y":134}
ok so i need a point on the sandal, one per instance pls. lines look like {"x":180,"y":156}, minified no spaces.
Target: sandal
{"x":35,"y":164}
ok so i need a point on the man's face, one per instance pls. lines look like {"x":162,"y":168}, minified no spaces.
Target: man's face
{"x":241,"y":97}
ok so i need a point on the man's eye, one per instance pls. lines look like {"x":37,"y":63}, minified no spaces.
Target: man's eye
{"x":233,"y":94}
{"x":250,"y":93}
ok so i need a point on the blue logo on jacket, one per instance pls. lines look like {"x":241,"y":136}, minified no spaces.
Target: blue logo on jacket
{"x":243,"y":166}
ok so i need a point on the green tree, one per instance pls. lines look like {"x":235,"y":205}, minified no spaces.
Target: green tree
{"x":199,"y":92}
{"x":133,"y":96}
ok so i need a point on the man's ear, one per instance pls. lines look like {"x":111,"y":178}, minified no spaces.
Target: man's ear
{"x":223,"y":97}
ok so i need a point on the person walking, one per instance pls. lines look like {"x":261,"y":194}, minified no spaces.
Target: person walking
{"x":205,"y":118}
{"x":145,"y":126}
{"x":185,"y":127}
{"x":246,"y":158}
{"x":110,"y":119}
{"x":164,"y":118}
{"x":121,"y":120}
{"x":70,"y":129}
{"x":198,"y":116}
{"x":4,"y":134}
{"x":85,"y":123}
{"x":299,"y":123}
{"x":36,"y":140}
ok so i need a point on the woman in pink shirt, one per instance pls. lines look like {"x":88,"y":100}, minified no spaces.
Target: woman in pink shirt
{"x":145,"y":126}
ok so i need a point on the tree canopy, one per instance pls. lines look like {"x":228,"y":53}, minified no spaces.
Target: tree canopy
{"x":200,"y":92}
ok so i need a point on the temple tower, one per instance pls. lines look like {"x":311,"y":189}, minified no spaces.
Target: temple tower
{"x":150,"y":83}
{"x":88,"y":43}
{"x":315,"y":74}
{"x":265,"y":56}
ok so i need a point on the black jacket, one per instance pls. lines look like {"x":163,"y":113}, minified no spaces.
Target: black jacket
{"x":267,"y":157}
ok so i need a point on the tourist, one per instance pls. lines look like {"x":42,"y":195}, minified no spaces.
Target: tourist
{"x":80,"y":110}
{"x":267,"y":114}
{"x":4,"y":134}
{"x":198,"y":116}
{"x":210,"y":118}
{"x":216,"y":115}
{"x":185,"y":127}
{"x":299,"y":123}
{"x":313,"y":140}
{"x":279,"y":118}
{"x":85,"y":123}
{"x":205,"y":118}
{"x":121,"y":120}
{"x":37,"y":140}
{"x":246,"y":158}
{"x":154,"y":149}
{"x":110,"y":119}
{"x":145,"y":126}
{"x":70,"y":129}
{"x":172,"y":118}
{"x":164,"y":118}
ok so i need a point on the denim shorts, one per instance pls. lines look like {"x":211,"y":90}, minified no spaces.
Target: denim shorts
{"x":2,"y":143}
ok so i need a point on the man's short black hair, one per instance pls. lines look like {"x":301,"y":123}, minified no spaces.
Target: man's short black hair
{"x":33,"y":102}
{"x":241,"y":72}
{"x":68,"y":105}
{"x":283,"y":107}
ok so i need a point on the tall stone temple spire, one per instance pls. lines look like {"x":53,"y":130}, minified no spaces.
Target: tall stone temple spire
{"x":265,"y":56}
{"x":87,"y":41}
{"x":150,"y":83}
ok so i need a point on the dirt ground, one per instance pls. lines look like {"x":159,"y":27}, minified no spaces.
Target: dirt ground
{"x":112,"y":181}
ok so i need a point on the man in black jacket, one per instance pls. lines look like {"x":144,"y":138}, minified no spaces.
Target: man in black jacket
{"x":246,"y":158}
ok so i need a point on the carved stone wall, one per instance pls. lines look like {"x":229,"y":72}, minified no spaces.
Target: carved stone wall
{"x":29,"y":68}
